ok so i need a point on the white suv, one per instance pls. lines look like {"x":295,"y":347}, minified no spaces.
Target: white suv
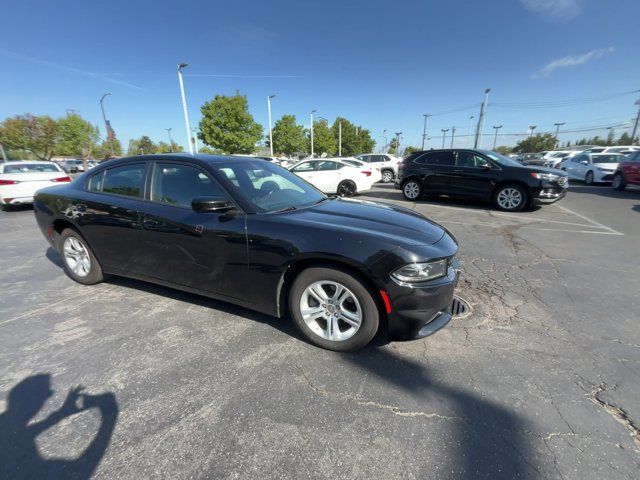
{"x":387,"y":164}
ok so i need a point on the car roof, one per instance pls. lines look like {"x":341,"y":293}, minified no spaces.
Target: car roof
{"x":22,"y":162}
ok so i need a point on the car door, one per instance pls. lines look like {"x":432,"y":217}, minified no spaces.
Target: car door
{"x":108,"y":214}
{"x":632,"y":170}
{"x":473,"y":175}
{"x":307,"y":171}
{"x":435,"y":170}
{"x":201,"y":250}
{"x":327,"y":175}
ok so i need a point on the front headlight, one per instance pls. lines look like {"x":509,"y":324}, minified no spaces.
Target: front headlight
{"x":552,"y":177}
{"x":421,"y":272}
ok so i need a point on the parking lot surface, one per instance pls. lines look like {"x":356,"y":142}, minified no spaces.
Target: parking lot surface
{"x":542,"y":380}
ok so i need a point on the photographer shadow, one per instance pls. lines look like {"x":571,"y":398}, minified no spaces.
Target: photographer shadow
{"x":19,"y":455}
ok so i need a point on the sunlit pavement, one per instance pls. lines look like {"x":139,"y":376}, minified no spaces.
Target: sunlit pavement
{"x":541,"y":380}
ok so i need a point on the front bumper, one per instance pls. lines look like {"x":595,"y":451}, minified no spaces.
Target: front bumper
{"x":421,"y":310}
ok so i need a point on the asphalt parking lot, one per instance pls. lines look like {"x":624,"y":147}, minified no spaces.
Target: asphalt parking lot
{"x":542,"y":380}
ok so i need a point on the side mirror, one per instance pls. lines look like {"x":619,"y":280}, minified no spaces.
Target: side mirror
{"x":211,"y":204}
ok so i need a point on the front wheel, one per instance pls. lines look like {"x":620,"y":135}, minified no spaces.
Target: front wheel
{"x":79,"y":261}
{"x":333,"y":309}
{"x":588,"y":178}
{"x":618,"y":182}
{"x":347,"y":188}
{"x":387,"y":176}
{"x":412,"y":190}
{"x":511,"y":198}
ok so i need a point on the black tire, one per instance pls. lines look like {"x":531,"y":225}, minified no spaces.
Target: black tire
{"x":347,"y":188}
{"x":588,"y":178}
{"x":618,"y":182}
{"x":370,"y":316}
{"x":5,"y":208}
{"x":412,"y":189}
{"x":502,"y":203}
{"x":387,"y":176}
{"x":94,"y":274}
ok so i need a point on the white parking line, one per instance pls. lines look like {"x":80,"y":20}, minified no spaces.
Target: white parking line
{"x":528,"y":226}
{"x":589,"y":220}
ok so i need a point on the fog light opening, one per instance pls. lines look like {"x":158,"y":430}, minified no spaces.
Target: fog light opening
{"x":460,"y":308}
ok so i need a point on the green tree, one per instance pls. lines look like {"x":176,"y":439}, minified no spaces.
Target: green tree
{"x":227,"y":124}
{"x":209,"y":150}
{"x":76,"y":136}
{"x":625,"y":139}
{"x":536,"y":143}
{"x":164,"y":147}
{"x":409,"y":150}
{"x":504,"y":150}
{"x":355,"y":139}
{"x":110,"y":148}
{"x":393,"y":146}
{"x":288,"y":137}
{"x":324,"y":141}
{"x":611,"y":137}
{"x":29,"y":133}
{"x":142,"y":145}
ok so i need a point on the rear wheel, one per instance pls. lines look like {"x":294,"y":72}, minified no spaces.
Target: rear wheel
{"x":412,"y":189}
{"x":333,"y":309}
{"x":618,"y":182}
{"x":511,"y":198}
{"x":79,"y":261}
{"x":347,"y":188}
{"x":588,"y":178}
{"x":387,"y":176}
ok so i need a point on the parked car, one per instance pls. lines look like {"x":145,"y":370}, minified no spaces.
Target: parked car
{"x":480,"y":174}
{"x":341,"y":268}
{"x":334,"y":175}
{"x":19,"y":181}
{"x":555,"y":158}
{"x":592,"y":167}
{"x":532,"y":159}
{"x":387,"y":164}
{"x":627,"y":172}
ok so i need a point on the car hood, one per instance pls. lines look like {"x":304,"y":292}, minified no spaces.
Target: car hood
{"x":555,"y":171}
{"x":396,"y":224}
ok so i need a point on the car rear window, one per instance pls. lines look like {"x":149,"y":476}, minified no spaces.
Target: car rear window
{"x":31,"y":167}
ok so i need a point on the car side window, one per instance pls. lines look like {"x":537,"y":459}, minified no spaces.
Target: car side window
{"x":178,"y":184}
{"x":127,"y":180}
{"x":471,"y":160}
{"x":326,"y":165}
{"x":305,"y":167}
{"x":437,"y":158}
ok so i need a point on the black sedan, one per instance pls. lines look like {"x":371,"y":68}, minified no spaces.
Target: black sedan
{"x":251,"y":233}
{"x":479,"y":174}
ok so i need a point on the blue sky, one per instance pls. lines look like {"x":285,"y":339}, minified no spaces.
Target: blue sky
{"x":381,"y":64}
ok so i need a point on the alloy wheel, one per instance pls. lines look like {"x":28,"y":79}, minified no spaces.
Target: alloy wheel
{"x":387,"y":176}
{"x":509,"y":198}
{"x":588,"y":179}
{"x":347,"y":189}
{"x":411,"y":190}
{"x":331,"y":310}
{"x":76,"y":256}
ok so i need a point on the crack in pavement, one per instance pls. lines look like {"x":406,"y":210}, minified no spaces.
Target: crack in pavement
{"x":616,"y":412}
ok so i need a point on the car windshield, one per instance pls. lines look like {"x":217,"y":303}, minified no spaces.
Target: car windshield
{"x":608,"y":158}
{"x":501,"y":159}
{"x":30,"y":167}
{"x":267,"y":186}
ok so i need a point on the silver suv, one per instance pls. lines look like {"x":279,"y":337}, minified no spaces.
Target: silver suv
{"x":387,"y":164}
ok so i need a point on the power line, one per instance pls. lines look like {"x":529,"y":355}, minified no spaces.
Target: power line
{"x":562,"y":103}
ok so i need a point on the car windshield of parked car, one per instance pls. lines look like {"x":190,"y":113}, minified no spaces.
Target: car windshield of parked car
{"x":30,"y":167}
{"x":501,"y":159}
{"x":268,"y":187}
{"x":616,"y":158}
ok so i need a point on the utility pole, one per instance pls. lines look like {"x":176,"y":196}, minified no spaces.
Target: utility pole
{"x":107,"y":125}
{"x":398,"y":143}
{"x":495,"y":137}
{"x":531,"y":129}
{"x":385,"y":147}
{"x":558,"y":125}
{"x":184,"y":106}
{"x":483,"y":112}
{"x":424,"y":129}
{"x":339,"y":138}
{"x":195,"y":140}
{"x":635,"y":125}
{"x":444,"y":135}
{"x":312,"y":112}
{"x":170,"y":140}
{"x":453,"y":134}
{"x":270,"y":129}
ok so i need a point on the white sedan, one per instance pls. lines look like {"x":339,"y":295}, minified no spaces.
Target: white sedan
{"x":592,"y":167}
{"x":19,"y":181}
{"x":337,"y":175}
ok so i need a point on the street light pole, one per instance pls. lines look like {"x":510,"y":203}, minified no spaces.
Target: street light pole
{"x":453,"y":134}
{"x":170,"y":140}
{"x":635,"y":125}
{"x":312,"y":112}
{"x":483,"y":112}
{"x":195,"y":140}
{"x":558,"y":125}
{"x":184,"y":106}
{"x":471,"y":125}
{"x":385,"y":146}
{"x":495,"y":137}
{"x":444,"y":134}
{"x":339,"y":138}
{"x":270,"y":129}
{"x":398,"y":143}
{"x":107,"y":127}
{"x":424,"y":129}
